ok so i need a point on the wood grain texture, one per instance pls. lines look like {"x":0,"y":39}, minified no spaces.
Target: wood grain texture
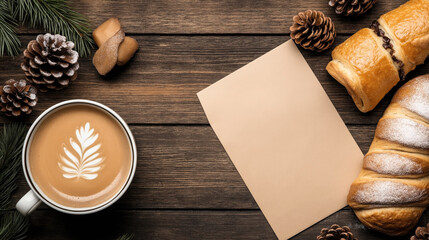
{"x":185,"y":186}
{"x":186,"y":167}
{"x":182,"y":224}
{"x":220,"y":17}
{"x":346,"y":217}
{"x":160,"y":84}
{"x":151,"y":224}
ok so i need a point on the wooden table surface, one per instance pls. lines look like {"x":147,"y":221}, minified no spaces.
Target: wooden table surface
{"x":185,"y":186}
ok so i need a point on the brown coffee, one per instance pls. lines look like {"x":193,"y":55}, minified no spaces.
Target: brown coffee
{"x":80,"y":156}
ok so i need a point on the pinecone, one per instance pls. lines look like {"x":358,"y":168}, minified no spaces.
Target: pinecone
{"x":17,"y":97}
{"x":313,"y":30}
{"x":50,"y":62}
{"x":335,"y":232}
{"x":422,"y":233}
{"x":351,"y":7}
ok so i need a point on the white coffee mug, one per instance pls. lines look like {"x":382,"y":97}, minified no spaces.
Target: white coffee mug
{"x":30,"y":201}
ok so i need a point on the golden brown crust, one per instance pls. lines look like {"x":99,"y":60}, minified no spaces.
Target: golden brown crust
{"x":408,"y":26}
{"x":392,"y":190}
{"x":371,"y":191}
{"x":402,"y":100}
{"x":398,"y":52}
{"x":390,"y":221}
{"x":364,"y":68}
{"x":403,"y":164}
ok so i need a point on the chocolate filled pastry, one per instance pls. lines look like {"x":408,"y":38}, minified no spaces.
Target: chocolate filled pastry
{"x":373,"y":60}
{"x":392,"y":190}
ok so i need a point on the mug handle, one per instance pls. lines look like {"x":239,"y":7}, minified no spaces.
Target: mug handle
{"x":28,"y":203}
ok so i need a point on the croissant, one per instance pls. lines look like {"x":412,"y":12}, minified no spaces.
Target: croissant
{"x":375,"y":59}
{"x":392,"y":190}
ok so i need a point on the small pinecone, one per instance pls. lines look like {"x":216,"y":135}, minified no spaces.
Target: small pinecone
{"x":422,"y":233}
{"x":50,"y":62}
{"x":17,"y":97}
{"x":313,"y":30}
{"x":351,"y":7}
{"x":335,"y":232}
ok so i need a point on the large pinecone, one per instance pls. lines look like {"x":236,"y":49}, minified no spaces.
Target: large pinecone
{"x":351,"y":7}
{"x":335,"y":232}
{"x":50,"y":62}
{"x":313,"y":30}
{"x":422,"y":233}
{"x":17,"y":97}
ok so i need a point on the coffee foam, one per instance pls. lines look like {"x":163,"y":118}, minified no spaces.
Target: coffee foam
{"x":86,"y":159}
{"x":80,"y":156}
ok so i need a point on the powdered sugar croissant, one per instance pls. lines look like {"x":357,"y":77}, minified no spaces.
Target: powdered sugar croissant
{"x":392,"y":190}
{"x":373,"y":60}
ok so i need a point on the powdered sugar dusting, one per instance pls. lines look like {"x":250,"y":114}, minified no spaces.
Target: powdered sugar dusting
{"x":391,"y":164}
{"x":389,"y":192}
{"x":418,"y":99}
{"x":404,"y":131}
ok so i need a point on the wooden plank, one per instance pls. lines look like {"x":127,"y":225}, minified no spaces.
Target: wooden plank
{"x":186,"y":186}
{"x":346,"y":217}
{"x":186,"y":167}
{"x":160,"y":84}
{"x":215,"y":16}
{"x":167,"y":224}
{"x":183,"y":224}
{"x":151,"y":224}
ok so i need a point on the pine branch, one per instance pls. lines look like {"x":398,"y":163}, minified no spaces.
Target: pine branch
{"x":126,"y":237}
{"x":56,"y":17}
{"x":9,"y":42}
{"x":13,"y":225}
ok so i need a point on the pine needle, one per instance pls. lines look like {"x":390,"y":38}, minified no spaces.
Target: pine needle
{"x":9,"y":42}
{"x":126,"y":237}
{"x":13,"y":225}
{"x":56,"y":17}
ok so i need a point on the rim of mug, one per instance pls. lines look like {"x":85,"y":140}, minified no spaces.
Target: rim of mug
{"x":41,"y":195}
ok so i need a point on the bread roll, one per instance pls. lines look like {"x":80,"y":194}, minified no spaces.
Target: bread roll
{"x":392,"y":190}
{"x":408,"y":27}
{"x":369,"y":65}
{"x":358,"y":63}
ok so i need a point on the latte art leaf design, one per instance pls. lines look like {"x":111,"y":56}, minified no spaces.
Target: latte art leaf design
{"x":83,"y":160}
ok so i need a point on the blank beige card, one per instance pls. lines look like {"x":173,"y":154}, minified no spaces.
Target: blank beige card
{"x":285,"y":138}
